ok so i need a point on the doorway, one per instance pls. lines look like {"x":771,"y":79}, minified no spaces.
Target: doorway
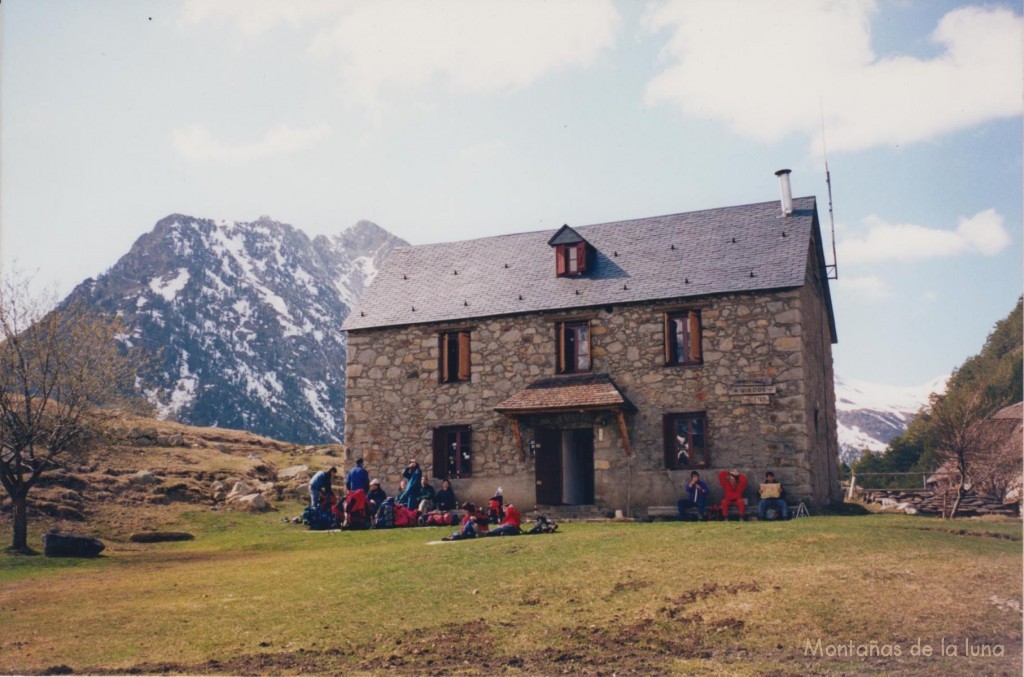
{"x":565,"y":466}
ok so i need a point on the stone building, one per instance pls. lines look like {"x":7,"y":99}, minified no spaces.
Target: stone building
{"x":599,"y":365}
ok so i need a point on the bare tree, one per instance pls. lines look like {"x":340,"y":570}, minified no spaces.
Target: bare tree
{"x":58,"y":369}
{"x":963,"y":446}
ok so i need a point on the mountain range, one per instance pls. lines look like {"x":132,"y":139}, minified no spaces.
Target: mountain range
{"x":869,"y":414}
{"x":242,"y":320}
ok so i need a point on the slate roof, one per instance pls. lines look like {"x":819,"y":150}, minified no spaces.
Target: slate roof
{"x":560,"y":393}
{"x":730,"y":249}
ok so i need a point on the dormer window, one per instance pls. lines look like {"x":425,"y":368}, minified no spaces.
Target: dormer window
{"x":572,"y":259}
{"x":573,"y":254}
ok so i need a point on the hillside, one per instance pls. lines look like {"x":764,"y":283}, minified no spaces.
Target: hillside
{"x":146,"y":472}
{"x":243,"y":320}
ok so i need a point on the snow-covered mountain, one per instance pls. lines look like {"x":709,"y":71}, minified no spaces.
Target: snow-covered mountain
{"x":871,"y":414}
{"x":244,"y":320}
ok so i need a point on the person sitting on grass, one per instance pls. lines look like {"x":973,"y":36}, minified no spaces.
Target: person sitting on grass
{"x":376,"y":496}
{"x":696,"y":496}
{"x":426,"y":495}
{"x":320,"y":487}
{"x":734,"y":484}
{"x":473,"y":524}
{"x":510,"y":525}
{"x":445,"y":498}
{"x":773,"y":497}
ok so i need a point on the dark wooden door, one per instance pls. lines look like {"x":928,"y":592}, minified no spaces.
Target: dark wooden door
{"x":548,"y":462}
{"x":583,"y":462}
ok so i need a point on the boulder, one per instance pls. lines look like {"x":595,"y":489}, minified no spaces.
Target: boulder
{"x":239,"y":490}
{"x":218,"y":491}
{"x":296,"y":472}
{"x":143,"y":477}
{"x":56,"y":544}
{"x":252,"y":503}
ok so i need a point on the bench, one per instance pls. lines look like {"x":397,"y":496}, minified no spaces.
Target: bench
{"x":662,"y":512}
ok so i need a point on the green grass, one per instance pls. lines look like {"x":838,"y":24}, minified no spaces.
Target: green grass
{"x":260,"y":596}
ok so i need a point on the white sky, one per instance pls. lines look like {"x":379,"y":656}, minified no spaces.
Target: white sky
{"x":447,"y":120}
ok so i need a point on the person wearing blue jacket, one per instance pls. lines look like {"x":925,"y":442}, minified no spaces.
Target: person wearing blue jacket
{"x":696,"y":496}
{"x":410,"y":498}
{"x":358,"y":478}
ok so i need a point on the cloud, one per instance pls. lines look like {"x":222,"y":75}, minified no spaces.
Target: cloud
{"x":255,"y":18}
{"x":197,"y":143}
{"x":483,"y":45}
{"x":984,"y":233}
{"x":868,"y":286}
{"x":771,"y":69}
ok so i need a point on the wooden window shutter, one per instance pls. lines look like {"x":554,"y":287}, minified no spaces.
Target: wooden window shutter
{"x":695,"y":352}
{"x":464,"y":367}
{"x":560,"y":343}
{"x":560,"y":260}
{"x":442,"y":349}
{"x":440,"y":455}
{"x":590,"y":354}
{"x":581,"y":257}
{"x":667,"y":330}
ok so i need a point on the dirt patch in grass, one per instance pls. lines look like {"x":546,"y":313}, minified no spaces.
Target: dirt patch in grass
{"x":629,"y":644}
{"x":970,"y":532}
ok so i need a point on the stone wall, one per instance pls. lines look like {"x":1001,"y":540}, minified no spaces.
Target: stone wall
{"x":394,"y":399}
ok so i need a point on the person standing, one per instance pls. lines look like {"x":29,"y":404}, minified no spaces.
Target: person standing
{"x":410,"y":496}
{"x":358,"y":478}
{"x":696,"y":496}
{"x":319,"y":485}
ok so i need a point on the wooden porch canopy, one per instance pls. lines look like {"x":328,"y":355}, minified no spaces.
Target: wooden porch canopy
{"x":569,"y":394}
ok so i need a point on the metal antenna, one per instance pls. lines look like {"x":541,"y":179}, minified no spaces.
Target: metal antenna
{"x":831,"y":272}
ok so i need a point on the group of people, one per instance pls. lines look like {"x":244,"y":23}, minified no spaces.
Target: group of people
{"x":365,"y":504}
{"x":734,"y":484}
{"x":363,"y":499}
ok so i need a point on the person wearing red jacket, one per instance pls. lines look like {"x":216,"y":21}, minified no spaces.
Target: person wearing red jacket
{"x":510,"y":525}
{"x":473,"y":524}
{"x":733,"y":484}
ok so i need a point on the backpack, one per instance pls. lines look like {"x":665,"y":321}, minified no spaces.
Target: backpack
{"x":404,"y":517}
{"x":543,"y":526}
{"x":440,"y":519}
{"x":385,"y":517}
{"x":318,"y":520}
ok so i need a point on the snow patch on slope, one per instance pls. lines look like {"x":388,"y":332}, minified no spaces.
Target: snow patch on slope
{"x":871,"y":414}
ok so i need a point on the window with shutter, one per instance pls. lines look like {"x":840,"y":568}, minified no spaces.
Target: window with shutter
{"x":453,"y":357}
{"x":571,"y":259}
{"x":682,"y":336}
{"x":573,"y":345}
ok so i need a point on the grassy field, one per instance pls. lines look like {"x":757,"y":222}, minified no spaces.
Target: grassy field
{"x":254,"y":595}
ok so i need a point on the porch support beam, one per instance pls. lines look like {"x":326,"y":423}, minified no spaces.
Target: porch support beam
{"x":624,"y":431}
{"x":518,"y":436}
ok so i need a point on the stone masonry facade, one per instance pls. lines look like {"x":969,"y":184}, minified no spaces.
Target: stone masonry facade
{"x":395,"y":400}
